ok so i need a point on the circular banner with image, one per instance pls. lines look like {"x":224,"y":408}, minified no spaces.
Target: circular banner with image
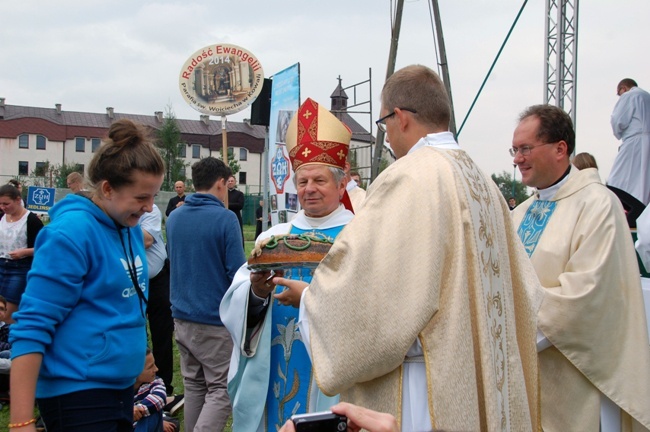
{"x":221,"y":79}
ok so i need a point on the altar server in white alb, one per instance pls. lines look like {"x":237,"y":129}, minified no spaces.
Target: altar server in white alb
{"x":425,"y":306}
{"x":270,"y":375}
{"x":576,"y":234}
{"x":631,"y":124}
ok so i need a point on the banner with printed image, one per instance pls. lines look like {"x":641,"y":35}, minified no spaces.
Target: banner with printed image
{"x":285,"y":101}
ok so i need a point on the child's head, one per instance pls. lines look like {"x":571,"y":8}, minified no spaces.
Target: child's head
{"x":3,"y":308}
{"x":150,"y":369}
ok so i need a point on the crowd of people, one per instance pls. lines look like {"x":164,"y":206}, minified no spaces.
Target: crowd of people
{"x":440,"y":306}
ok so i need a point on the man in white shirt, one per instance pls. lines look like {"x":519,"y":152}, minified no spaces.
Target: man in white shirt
{"x":631,"y":124}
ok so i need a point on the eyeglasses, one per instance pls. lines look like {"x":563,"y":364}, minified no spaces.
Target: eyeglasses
{"x":525,"y":150}
{"x":381,"y":123}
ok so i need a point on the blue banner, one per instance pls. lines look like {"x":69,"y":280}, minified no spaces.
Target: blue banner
{"x":285,"y":101}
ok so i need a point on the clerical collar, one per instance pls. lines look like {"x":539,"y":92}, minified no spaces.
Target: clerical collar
{"x":443,"y":140}
{"x":317,"y":222}
{"x":548,"y":193}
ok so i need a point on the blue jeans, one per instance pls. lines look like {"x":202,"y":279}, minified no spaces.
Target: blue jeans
{"x":13,"y":278}
{"x":95,"y":410}
{"x":153,"y":423}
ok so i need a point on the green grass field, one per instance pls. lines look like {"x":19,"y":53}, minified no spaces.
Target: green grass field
{"x":249,"y":237}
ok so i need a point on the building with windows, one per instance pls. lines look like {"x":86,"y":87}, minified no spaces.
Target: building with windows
{"x":32,"y":136}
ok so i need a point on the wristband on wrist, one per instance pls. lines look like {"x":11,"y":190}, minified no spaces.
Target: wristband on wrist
{"x":19,"y":425}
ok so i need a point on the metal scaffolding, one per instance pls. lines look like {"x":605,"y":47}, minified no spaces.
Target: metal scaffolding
{"x":561,"y":55}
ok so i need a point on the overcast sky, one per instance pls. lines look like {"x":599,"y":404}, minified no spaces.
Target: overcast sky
{"x":127,"y":54}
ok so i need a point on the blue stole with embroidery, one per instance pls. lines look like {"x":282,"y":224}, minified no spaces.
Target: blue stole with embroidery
{"x":290,"y":378}
{"x":534,"y":223}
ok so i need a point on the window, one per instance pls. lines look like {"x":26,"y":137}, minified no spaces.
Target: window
{"x":40,"y":142}
{"x":41,"y":169}
{"x":243,"y":154}
{"x":23,"y":141}
{"x":182,"y":150}
{"x":96,"y":142}
{"x":196,"y":151}
{"x":242,"y":177}
{"x":80,"y":144}
{"x":23,"y":168}
{"x":182,"y":172}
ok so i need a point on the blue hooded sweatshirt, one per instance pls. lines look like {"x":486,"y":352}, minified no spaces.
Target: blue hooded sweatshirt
{"x":81,"y":309}
{"x":205,"y":252}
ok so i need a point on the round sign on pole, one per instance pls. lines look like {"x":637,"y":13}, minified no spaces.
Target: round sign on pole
{"x":221,"y":79}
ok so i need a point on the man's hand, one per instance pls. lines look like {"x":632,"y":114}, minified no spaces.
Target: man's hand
{"x":262,"y":283}
{"x":168,"y":426}
{"x":358,"y":418}
{"x":363,"y":418}
{"x":291,"y":295}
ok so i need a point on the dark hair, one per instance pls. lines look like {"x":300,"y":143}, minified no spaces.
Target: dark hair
{"x":15,"y":183}
{"x":9,"y":191}
{"x":148,"y":351}
{"x":554,"y":125}
{"x":207,"y":171}
{"x":127,"y":148}
{"x":3,"y":300}
{"x":627,"y":82}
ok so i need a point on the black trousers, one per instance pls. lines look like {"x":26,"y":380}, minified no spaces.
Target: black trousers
{"x":161,"y":325}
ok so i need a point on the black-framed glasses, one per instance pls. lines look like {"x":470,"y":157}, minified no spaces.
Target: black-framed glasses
{"x":381,"y":123}
{"x":525,"y":150}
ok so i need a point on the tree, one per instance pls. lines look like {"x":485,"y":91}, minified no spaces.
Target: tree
{"x":232,"y":163}
{"x":169,"y":143}
{"x":61,"y":172}
{"x":55,"y":175}
{"x":505,"y":184}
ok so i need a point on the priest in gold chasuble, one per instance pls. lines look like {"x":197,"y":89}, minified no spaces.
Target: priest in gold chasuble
{"x":576,"y":234}
{"x":425,"y":307}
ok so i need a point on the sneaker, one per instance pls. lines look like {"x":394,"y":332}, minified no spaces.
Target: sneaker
{"x":175,"y":404}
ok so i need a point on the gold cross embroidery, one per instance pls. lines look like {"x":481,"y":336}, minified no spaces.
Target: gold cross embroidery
{"x":341,"y":154}
{"x":306,"y":152}
{"x":307,"y":114}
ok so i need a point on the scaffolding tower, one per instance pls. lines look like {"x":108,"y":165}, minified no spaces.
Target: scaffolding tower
{"x":561,"y":55}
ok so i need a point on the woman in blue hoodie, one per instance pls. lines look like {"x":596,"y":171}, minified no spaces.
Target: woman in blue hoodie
{"x":79,"y":340}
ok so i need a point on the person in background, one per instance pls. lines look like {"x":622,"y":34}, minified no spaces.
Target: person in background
{"x":159,"y":311}
{"x":236,"y":202}
{"x":592,"y":340}
{"x":512,"y":203}
{"x":5,"y":346}
{"x":15,"y":183}
{"x":178,"y":200}
{"x":356,"y":177}
{"x":205,"y":251}
{"x":584,"y":160}
{"x":259,"y":215}
{"x":75,"y":182}
{"x":18,"y":230}
{"x":149,"y":400}
{"x":356,"y":194}
{"x":631,"y":124}
{"x":79,"y":340}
